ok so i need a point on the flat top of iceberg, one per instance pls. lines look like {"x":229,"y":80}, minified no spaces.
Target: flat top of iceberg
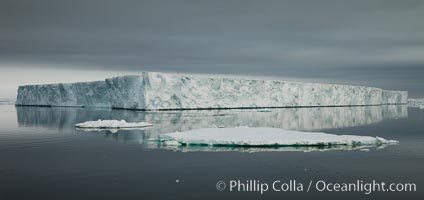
{"x":112,"y":124}
{"x":246,"y":136}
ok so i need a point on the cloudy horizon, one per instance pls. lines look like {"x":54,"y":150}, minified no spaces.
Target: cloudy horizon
{"x":366,"y":42}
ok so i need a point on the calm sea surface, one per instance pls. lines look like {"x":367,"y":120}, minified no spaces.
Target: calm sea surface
{"x":42,"y":155}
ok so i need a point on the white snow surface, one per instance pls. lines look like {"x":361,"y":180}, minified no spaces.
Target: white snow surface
{"x":160,"y":91}
{"x":114,"y":124}
{"x":247,"y":136}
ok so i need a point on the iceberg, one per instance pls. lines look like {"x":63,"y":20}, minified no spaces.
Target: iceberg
{"x":111,"y":124}
{"x":416,"y":103}
{"x":161,"y":91}
{"x":263,"y":136}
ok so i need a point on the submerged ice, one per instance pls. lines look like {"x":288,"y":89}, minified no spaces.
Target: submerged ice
{"x":158,"y":91}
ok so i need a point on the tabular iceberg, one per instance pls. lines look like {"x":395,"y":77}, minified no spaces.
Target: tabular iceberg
{"x":160,"y":91}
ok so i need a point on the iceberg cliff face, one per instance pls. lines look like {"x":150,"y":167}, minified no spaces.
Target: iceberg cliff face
{"x":126,"y":92}
{"x":157,"y":91}
{"x":90,"y":94}
{"x":416,"y":103}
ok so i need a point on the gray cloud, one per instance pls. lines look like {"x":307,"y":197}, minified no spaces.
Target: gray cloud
{"x":367,"y":42}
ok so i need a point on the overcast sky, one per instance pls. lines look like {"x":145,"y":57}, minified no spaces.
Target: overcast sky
{"x":363,"y":42}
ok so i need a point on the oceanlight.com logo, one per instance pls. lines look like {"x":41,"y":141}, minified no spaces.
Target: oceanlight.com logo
{"x":318,"y":186}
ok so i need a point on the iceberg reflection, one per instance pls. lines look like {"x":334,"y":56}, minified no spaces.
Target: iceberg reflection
{"x":266,"y":149}
{"x":63,"y":119}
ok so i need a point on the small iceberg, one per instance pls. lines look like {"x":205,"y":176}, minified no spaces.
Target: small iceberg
{"x":419,"y":103}
{"x":266,"y":137}
{"x":111,"y":125}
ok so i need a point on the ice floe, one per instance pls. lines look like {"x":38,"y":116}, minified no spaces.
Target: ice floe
{"x":111,"y":125}
{"x":247,"y":136}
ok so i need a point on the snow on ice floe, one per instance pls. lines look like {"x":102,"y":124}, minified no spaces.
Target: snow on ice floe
{"x":260,"y":137}
{"x":111,"y":124}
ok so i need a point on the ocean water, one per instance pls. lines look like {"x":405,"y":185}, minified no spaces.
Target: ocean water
{"x":42,"y":155}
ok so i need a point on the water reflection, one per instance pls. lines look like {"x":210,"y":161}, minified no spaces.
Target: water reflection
{"x":126,"y":136}
{"x":306,"y":119}
{"x":263,"y":149}
{"x":303,"y":119}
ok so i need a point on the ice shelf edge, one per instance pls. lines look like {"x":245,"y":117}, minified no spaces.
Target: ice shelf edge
{"x":161,"y":91}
